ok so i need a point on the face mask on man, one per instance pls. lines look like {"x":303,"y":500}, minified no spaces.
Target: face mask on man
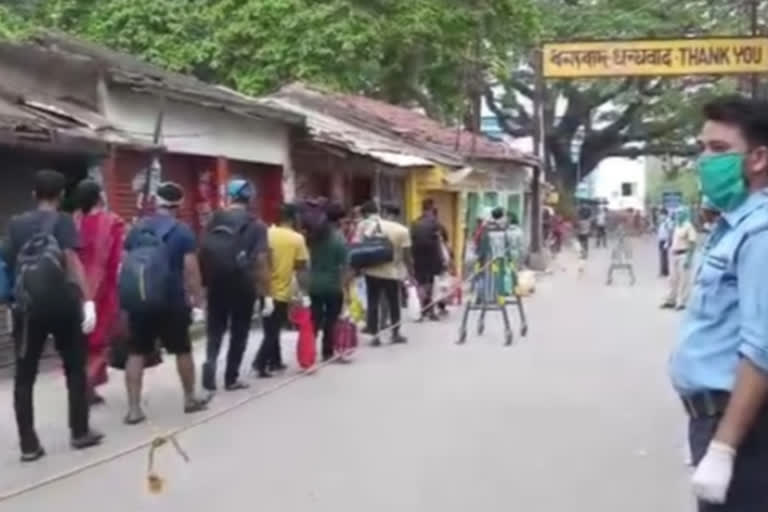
{"x":722,"y":179}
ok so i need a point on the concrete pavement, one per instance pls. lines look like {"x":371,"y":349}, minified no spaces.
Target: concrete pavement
{"x":579,"y":416}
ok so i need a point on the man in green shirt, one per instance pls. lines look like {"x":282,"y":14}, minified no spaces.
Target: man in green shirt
{"x":328,"y":276}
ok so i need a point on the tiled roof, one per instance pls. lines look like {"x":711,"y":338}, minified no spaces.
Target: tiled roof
{"x":407,"y":124}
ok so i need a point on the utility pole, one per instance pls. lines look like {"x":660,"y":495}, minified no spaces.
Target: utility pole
{"x":755,"y":79}
{"x":540,"y":149}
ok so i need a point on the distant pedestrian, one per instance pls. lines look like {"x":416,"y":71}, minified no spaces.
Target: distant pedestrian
{"x":160,"y":289}
{"x":385,"y":280}
{"x":428,"y":258}
{"x":101,"y":247}
{"x":601,"y":227}
{"x":664,"y":239}
{"x":234,"y":259}
{"x":52,"y":298}
{"x":720,"y":365}
{"x":289,"y":257}
{"x":515,"y":239}
{"x":682,"y":249}
{"x":328,"y":277}
{"x":583,"y":230}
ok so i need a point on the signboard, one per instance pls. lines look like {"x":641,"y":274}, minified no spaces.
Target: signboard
{"x":716,"y":56}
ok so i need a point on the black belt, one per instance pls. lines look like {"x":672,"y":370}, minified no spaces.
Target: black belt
{"x":706,"y":404}
{"x":680,"y":251}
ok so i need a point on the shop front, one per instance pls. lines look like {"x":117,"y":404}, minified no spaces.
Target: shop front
{"x":432,"y":183}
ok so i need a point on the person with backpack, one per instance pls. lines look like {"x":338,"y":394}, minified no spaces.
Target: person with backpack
{"x":160,"y":290}
{"x":328,"y":276}
{"x":52,"y":297}
{"x":235,"y":268}
{"x":101,"y":236}
{"x":289,"y":258}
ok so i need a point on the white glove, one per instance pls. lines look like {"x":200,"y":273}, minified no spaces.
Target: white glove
{"x":198,"y":315}
{"x":306,"y":301}
{"x":712,"y":477}
{"x":269,"y":307}
{"x":89,"y":317}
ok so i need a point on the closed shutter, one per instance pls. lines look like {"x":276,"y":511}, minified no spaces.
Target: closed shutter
{"x":122,"y":198}
{"x":268,"y":180}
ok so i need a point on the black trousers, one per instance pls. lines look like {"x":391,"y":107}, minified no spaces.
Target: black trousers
{"x":326,"y":309}
{"x":584,"y":243}
{"x":749,"y":487}
{"x":390,"y":290}
{"x":602,"y":237}
{"x":269,"y":355}
{"x":30,"y":333}
{"x":227,"y":309}
{"x":663,"y":260}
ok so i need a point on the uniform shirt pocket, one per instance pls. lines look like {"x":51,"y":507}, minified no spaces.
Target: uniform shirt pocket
{"x":714,"y":287}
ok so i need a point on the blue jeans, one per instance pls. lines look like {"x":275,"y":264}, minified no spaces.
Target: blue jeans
{"x":749,"y":487}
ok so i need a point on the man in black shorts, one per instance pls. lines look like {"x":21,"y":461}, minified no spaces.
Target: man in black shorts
{"x":171,"y":323}
{"x":51,"y":299}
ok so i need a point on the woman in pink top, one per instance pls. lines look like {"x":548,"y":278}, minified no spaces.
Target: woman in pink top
{"x":101,"y":243}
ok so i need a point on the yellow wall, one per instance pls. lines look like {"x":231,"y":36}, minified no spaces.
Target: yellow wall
{"x":429,"y":183}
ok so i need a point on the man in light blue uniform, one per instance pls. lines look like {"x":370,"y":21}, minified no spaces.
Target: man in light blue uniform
{"x":720,"y":367}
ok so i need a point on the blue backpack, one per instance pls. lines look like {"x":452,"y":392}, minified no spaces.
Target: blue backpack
{"x":145,"y":275}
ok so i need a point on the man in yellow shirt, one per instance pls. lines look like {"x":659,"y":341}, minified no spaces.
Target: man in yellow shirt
{"x":289,"y":257}
{"x":386,"y":279}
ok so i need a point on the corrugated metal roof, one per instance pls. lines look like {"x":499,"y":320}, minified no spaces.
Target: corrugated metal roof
{"x":330,"y":130}
{"x":129,"y":71}
{"x":408,"y":126}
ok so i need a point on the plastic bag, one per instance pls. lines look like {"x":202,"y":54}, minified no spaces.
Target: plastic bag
{"x":306,"y":351}
{"x":444,"y":288}
{"x":526,"y":283}
{"x":362,"y":292}
{"x":344,"y":337}
{"x":413,"y":304}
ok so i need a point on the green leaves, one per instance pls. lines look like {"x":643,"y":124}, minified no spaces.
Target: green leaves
{"x":589,"y":120}
{"x":405,"y":51}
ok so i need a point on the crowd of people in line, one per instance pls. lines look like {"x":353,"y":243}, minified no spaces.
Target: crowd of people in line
{"x":114,"y":294}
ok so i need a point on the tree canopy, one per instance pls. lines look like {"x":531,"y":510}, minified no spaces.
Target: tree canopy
{"x":587,"y":121}
{"x":404,"y":51}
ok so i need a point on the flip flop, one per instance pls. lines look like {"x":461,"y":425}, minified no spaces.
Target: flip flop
{"x":197,"y":405}
{"x":134,"y":420}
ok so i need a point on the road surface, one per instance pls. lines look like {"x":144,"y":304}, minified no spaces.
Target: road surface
{"x":579,"y":416}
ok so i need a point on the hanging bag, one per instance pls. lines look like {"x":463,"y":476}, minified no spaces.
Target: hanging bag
{"x":374,"y":250}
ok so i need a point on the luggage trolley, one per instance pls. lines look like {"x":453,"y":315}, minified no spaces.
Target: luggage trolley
{"x":486,"y":297}
{"x":621,"y":259}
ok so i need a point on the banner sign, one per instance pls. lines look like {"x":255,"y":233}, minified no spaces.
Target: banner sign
{"x":717,"y":56}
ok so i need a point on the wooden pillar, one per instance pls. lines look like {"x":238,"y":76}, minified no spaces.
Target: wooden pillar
{"x":221,"y":177}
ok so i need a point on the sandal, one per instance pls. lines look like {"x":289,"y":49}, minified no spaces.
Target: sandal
{"x":196,"y":405}
{"x":135,"y":420}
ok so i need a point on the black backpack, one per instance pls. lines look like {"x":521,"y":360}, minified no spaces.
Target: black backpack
{"x":41,"y":283}
{"x":224,"y":255}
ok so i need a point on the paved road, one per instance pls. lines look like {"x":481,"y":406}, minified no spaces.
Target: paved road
{"x":579,"y":417}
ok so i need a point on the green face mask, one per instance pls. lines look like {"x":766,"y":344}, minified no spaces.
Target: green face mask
{"x":722,"y":180}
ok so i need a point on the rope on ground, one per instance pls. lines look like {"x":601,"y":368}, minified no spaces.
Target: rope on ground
{"x":156,"y":483}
